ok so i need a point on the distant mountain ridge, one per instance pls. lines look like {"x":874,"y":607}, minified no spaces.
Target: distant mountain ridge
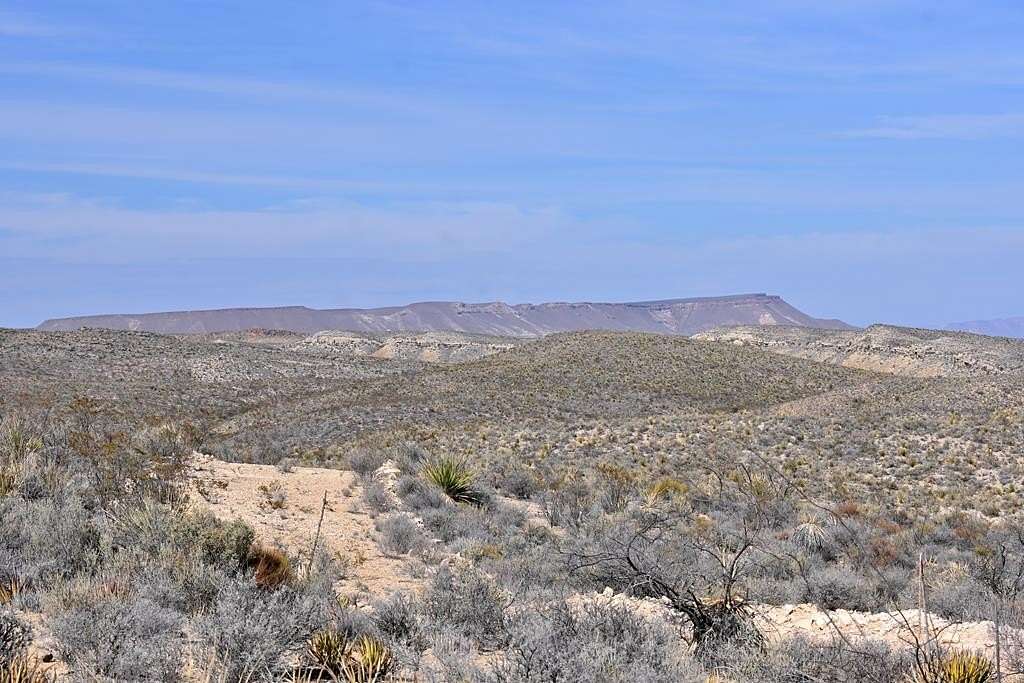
{"x":999,"y":327}
{"x":671,"y":316}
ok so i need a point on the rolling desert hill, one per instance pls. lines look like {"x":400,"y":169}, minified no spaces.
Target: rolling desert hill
{"x":885,"y":348}
{"x":671,"y":316}
{"x":839,"y":477}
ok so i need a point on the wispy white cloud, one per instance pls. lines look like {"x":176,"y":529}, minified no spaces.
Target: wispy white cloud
{"x":61,"y":226}
{"x":15,"y":25}
{"x":196,"y":175}
{"x":233,"y":86}
{"x":944,"y":126}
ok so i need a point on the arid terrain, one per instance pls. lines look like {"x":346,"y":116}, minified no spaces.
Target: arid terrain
{"x":751,"y":504}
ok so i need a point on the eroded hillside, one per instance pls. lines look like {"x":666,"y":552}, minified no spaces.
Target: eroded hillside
{"x":884,"y":348}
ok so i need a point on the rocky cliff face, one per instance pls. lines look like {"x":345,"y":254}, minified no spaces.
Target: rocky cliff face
{"x":884,"y":348}
{"x":672,"y":316}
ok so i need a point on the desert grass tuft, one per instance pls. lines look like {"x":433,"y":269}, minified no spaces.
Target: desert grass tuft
{"x":24,"y":669}
{"x":271,"y":567}
{"x":666,"y":488}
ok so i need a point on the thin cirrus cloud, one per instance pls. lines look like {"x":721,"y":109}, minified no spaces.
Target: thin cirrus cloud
{"x":948,"y":127}
{"x":229,"y":86}
{"x":56,"y":225}
{"x":14,"y":25}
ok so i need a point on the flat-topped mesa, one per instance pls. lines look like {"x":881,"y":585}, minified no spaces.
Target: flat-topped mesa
{"x":669,"y":316}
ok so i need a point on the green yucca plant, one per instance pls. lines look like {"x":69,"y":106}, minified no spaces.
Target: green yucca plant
{"x":371,"y":661}
{"x":957,"y":667}
{"x":330,"y":649}
{"x":454,"y":478}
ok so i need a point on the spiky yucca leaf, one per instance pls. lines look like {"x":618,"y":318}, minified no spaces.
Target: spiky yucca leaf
{"x":330,"y":649}
{"x":454,"y":478}
{"x":811,"y":534}
{"x":957,"y":667}
{"x":967,"y":667}
{"x":370,"y":662}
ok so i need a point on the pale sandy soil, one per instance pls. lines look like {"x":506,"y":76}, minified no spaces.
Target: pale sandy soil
{"x":232,"y":490}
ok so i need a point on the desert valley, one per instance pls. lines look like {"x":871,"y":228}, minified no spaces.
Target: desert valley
{"x":751,"y":503}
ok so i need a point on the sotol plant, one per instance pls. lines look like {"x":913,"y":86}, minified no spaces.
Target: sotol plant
{"x":371,"y":661}
{"x":364,"y":660}
{"x":329,"y":649}
{"x":454,"y":478}
{"x":957,"y":667}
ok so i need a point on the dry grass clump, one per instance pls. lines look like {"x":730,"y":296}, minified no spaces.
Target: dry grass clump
{"x":666,"y":488}
{"x":8,"y":479}
{"x":9,"y":589}
{"x":271,"y":567}
{"x":274,"y":495}
{"x":23,"y":669}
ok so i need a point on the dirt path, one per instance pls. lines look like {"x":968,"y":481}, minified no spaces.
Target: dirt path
{"x":284,"y":509}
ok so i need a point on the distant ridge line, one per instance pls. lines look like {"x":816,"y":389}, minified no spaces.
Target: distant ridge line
{"x":668,"y":316}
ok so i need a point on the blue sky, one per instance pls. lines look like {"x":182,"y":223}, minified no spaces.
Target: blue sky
{"x":864,"y":159}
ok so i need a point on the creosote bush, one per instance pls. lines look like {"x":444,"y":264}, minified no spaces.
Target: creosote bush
{"x":399,"y":535}
{"x":116,"y":634}
{"x":15,"y":636}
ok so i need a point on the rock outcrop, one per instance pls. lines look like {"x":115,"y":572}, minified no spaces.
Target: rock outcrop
{"x":429,"y":347}
{"x":884,"y":348}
